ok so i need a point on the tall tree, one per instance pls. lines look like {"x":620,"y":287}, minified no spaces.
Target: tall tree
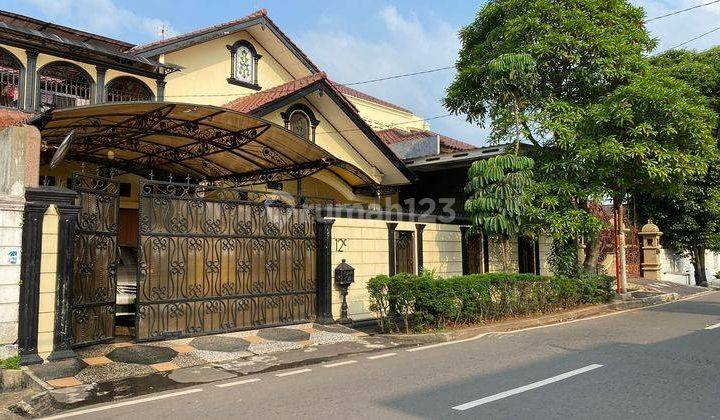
{"x":584,"y":49}
{"x":689,"y":214}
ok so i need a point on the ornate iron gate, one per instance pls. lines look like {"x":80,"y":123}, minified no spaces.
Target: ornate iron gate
{"x":95,"y":259}
{"x":215,"y":259}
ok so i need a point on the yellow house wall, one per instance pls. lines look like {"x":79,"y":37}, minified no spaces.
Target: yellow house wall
{"x":365,"y":248}
{"x":381,"y":117}
{"x":329,"y":139}
{"x":150,"y":83}
{"x":17,"y":52}
{"x":48,"y":267}
{"x":207,"y":68}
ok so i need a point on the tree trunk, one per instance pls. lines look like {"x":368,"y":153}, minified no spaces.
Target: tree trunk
{"x":592,"y":256}
{"x":698,"y":261}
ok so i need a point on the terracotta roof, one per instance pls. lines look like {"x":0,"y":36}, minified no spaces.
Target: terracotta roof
{"x":11,"y":117}
{"x":357,"y":94}
{"x":262,"y":13}
{"x":447,"y":144}
{"x":248,"y":104}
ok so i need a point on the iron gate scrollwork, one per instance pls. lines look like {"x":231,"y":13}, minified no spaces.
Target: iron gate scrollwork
{"x":95,"y":260}
{"x":213,"y":259}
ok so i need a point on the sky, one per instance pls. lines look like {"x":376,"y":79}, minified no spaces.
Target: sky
{"x":351,"y":40}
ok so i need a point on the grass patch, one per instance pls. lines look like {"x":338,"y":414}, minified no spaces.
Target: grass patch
{"x":12,"y":363}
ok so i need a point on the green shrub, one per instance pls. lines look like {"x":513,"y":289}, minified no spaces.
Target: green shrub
{"x":426,"y":301}
{"x":10,"y":363}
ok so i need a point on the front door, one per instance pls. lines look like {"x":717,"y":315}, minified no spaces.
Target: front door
{"x":528,"y":256}
{"x":92,"y":318}
{"x":404,"y":252}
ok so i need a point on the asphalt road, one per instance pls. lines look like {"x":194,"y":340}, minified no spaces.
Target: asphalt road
{"x":658,"y":362}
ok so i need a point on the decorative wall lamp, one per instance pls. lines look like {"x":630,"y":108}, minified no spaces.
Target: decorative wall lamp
{"x":344,"y":277}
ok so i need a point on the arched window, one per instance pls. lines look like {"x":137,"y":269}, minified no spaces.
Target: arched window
{"x":63,"y":85}
{"x":301,"y":120}
{"x":243,"y":69}
{"x":11,"y":72}
{"x":299,"y":123}
{"x":127,"y":89}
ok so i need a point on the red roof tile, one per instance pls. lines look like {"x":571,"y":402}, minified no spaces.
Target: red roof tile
{"x":357,"y":94}
{"x":447,"y":144}
{"x":248,"y":104}
{"x":11,"y":117}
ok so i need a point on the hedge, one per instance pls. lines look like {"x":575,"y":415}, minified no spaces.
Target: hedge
{"x":426,"y":301}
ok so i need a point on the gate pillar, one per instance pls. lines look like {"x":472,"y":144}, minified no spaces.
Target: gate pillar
{"x":68,"y":215}
{"x":323,"y":230}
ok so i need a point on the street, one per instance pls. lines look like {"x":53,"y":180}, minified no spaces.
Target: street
{"x":657,"y":362}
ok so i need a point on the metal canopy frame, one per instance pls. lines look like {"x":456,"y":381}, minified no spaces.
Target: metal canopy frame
{"x":195,"y":142}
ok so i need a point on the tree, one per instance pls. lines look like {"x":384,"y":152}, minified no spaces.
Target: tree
{"x":497,"y":187}
{"x":583,"y":50}
{"x":497,"y":198}
{"x":689,"y":215}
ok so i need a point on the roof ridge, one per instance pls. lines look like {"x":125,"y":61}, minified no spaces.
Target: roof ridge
{"x":144,"y":47}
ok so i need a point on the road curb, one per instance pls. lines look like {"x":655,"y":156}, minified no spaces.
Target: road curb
{"x":544,"y":320}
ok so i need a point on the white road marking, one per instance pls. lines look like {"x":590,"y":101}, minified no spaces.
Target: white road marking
{"x":712,"y":327}
{"x":347,"y":362}
{"x":122,"y":404}
{"x":515,"y":391}
{"x":292,"y":372}
{"x":244,"y":381}
{"x":380,"y":356}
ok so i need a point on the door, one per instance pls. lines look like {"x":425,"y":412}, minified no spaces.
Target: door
{"x":475,"y":254}
{"x":528,"y":256}
{"x":92,"y":298}
{"x":404,"y":252}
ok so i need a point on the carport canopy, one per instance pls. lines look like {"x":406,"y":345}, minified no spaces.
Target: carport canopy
{"x":199,"y":142}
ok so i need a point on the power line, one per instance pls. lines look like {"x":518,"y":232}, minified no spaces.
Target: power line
{"x":681,"y":11}
{"x":696,"y":38}
{"x":397,"y":76}
{"x":387,"y":126}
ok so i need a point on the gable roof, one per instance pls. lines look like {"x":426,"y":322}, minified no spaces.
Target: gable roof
{"x":362,"y":95}
{"x":265,"y":101}
{"x":255,"y":101}
{"x":198,"y":36}
{"x":447,"y":144}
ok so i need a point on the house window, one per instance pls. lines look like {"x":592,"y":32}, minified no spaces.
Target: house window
{"x":301,"y":120}
{"x":244,"y":59}
{"x":63,"y":85}
{"x":300,"y":124}
{"x":127,"y":89}
{"x":10,"y":70}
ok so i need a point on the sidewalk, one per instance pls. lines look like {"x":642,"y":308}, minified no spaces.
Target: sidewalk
{"x":108,"y":372}
{"x":118,"y":370}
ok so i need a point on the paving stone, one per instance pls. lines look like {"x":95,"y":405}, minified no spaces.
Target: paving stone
{"x":188,"y":360}
{"x":113,"y":371}
{"x":200,"y":374}
{"x":164,"y":366}
{"x":143,"y":355}
{"x":220,"y":356}
{"x":94,"y":351}
{"x":250,"y":365}
{"x":284,"y":334}
{"x":220,"y":343}
{"x":334,"y":328}
{"x":63,"y":382}
{"x":58,"y":369}
{"x":94,"y":361}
